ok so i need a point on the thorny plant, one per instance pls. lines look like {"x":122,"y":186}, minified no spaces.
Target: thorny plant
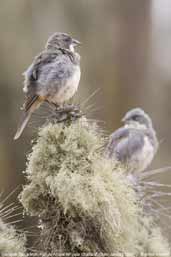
{"x":83,"y":202}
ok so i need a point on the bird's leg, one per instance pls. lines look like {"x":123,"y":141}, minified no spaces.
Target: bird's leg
{"x":64,"y":112}
{"x":69,"y":108}
{"x":53,"y":106}
{"x":72,"y":111}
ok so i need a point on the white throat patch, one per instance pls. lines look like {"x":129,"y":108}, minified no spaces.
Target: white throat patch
{"x":135,"y":125}
{"x":71,"y":48}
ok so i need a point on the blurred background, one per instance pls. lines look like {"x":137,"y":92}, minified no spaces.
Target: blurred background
{"x":126,"y":52}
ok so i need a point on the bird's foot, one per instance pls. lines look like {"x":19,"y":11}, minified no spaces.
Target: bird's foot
{"x":52,"y":106}
{"x":67,"y":112}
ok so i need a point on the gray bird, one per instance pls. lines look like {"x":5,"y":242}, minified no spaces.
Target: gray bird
{"x":53,"y":76}
{"x":134,"y":144}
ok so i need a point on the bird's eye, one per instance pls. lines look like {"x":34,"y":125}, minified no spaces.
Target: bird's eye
{"x":136,"y":118}
{"x":67,"y":39}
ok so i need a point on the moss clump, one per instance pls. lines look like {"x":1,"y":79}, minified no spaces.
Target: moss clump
{"x":84,"y":201}
{"x":11,"y":243}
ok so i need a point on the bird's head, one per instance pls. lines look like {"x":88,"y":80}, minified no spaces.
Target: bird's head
{"x":61,"y":40}
{"x":137,"y":118}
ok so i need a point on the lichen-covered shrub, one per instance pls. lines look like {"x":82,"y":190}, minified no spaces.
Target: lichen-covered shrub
{"x":84,"y":202}
{"x":11,"y":242}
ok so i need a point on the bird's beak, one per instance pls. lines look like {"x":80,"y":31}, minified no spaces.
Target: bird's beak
{"x":76,"y":42}
{"x":123,"y":120}
{"x":126,"y":121}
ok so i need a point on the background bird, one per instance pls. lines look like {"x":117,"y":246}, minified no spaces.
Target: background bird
{"x":53,"y":76}
{"x":134,"y":144}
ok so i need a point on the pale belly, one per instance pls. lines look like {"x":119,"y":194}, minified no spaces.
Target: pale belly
{"x":68,"y":90}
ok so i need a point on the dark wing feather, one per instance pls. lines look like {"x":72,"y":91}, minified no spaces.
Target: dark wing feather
{"x":129,"y":146}
{"x":126,"y":142}
{"x":32,"y":75}
{"x":115,"y":138}
{"x":29,"y":101}
{"x":42,"y":59}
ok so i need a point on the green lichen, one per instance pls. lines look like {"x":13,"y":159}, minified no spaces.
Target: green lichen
{"x":11,"y":242}
{"x":84,"y":201}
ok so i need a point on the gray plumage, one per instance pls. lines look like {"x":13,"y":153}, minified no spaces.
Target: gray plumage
{"x":134,"y":144}
{"x":53,"y":76}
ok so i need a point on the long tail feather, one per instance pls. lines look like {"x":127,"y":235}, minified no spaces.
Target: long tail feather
{"x":26,"y":116}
